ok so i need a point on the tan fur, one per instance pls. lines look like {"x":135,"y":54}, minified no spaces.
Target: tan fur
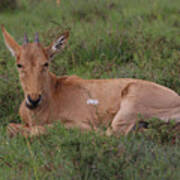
{"x":66,"y":99}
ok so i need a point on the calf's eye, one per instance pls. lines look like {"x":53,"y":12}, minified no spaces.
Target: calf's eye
{"x":46,"y":64}
{"x":19,"y":65}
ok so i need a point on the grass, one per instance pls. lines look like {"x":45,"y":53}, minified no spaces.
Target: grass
{"x":108,"y":39}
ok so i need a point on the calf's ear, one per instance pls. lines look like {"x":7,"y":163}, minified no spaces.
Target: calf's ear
{"x":11,"y":44}
{"x":57,"y":45}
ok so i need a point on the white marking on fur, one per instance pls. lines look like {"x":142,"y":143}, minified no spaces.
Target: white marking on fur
{"x":93,"y":101}
{"x":61,"y":39}
{"x":10,"y":49}
{"x":27,"y":101}
{"x":59,"y":42}
{"x":54,"y":48}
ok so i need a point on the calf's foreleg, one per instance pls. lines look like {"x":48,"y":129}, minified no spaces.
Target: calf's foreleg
{"x":27,"y":131}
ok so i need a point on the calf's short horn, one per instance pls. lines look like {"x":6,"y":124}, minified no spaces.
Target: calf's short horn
{"x":25,"y":39}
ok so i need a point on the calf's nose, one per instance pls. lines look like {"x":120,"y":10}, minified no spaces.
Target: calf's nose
{"x":34,"y":99}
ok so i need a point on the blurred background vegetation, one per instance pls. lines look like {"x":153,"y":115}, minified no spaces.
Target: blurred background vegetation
{"x":8,"y":4}
{"x":108,"y":39}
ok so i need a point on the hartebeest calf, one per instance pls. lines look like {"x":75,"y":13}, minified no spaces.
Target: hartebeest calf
{"x":75,"y":102}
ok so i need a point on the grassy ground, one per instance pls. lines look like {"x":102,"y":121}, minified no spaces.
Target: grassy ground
{"x":108,"y":39}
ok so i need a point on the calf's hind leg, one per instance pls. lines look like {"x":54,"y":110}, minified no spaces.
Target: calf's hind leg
{"x":124,"y":120}
{"x":130,"y":109}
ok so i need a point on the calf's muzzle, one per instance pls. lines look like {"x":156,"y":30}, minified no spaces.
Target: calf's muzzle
{"x":32,"y":101}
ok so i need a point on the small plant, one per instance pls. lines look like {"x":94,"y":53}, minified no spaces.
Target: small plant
{"x":160,"y":132}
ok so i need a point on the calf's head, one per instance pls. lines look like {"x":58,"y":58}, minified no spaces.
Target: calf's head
{"x":32,"y":60}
